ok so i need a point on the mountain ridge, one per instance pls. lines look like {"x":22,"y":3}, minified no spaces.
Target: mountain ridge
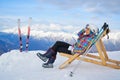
{"x":42,"y":39}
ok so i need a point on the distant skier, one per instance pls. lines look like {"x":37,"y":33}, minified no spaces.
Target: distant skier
{"x":84,"y":38}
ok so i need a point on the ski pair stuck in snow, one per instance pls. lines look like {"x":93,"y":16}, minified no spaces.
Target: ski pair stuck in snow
{"x":20,"y":35}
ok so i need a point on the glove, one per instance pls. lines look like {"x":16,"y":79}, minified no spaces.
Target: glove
{"x":70,"y":48}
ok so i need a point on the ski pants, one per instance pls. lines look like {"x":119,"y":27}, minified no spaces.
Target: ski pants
{"x":60,"y":46}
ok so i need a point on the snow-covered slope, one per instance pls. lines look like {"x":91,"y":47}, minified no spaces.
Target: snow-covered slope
{"x":27,"y":66}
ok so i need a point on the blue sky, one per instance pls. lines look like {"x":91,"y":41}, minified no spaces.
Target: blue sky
{"x":66,"y":12}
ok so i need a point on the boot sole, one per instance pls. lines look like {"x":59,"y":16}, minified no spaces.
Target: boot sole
{"x":45,"y":66}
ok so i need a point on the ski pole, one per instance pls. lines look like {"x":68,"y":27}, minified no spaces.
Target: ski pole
{"x":75,"y":68}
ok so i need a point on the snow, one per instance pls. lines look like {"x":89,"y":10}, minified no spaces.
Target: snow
{"x":27,"y":66}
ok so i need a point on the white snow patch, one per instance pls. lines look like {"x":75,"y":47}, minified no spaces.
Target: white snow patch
{"x":27,"y":66}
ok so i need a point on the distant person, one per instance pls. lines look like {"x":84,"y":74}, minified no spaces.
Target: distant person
{"x":84,"y":38}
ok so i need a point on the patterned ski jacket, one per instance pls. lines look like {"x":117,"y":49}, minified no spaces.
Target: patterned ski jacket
{"x":83,"y":42}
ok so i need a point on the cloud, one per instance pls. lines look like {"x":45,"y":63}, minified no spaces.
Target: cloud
{"x":95,"y":6}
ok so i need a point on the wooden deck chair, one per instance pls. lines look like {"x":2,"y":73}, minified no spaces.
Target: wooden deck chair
{"x":102,"y":59}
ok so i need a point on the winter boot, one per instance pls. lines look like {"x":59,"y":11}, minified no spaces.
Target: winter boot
{"x":50,"y":62}
{"x":47,"y":55}
{"x":47,"y":65}
{"x":42,"y":57}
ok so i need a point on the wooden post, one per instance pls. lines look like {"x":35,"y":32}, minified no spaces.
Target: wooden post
{"x":100,"y":52}
{"x":104,"y":50}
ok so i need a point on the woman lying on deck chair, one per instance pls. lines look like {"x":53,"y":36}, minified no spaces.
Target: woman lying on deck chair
{"x":84,"y":38}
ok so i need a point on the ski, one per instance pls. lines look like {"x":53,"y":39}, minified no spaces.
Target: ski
{"x":20,"y":36}
{"x":28,"y":34}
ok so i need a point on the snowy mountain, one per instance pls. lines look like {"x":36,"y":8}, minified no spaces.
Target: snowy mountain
{"x":9,"y":41}
{"x":44,"y":35}
{"x":27,"y":66}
